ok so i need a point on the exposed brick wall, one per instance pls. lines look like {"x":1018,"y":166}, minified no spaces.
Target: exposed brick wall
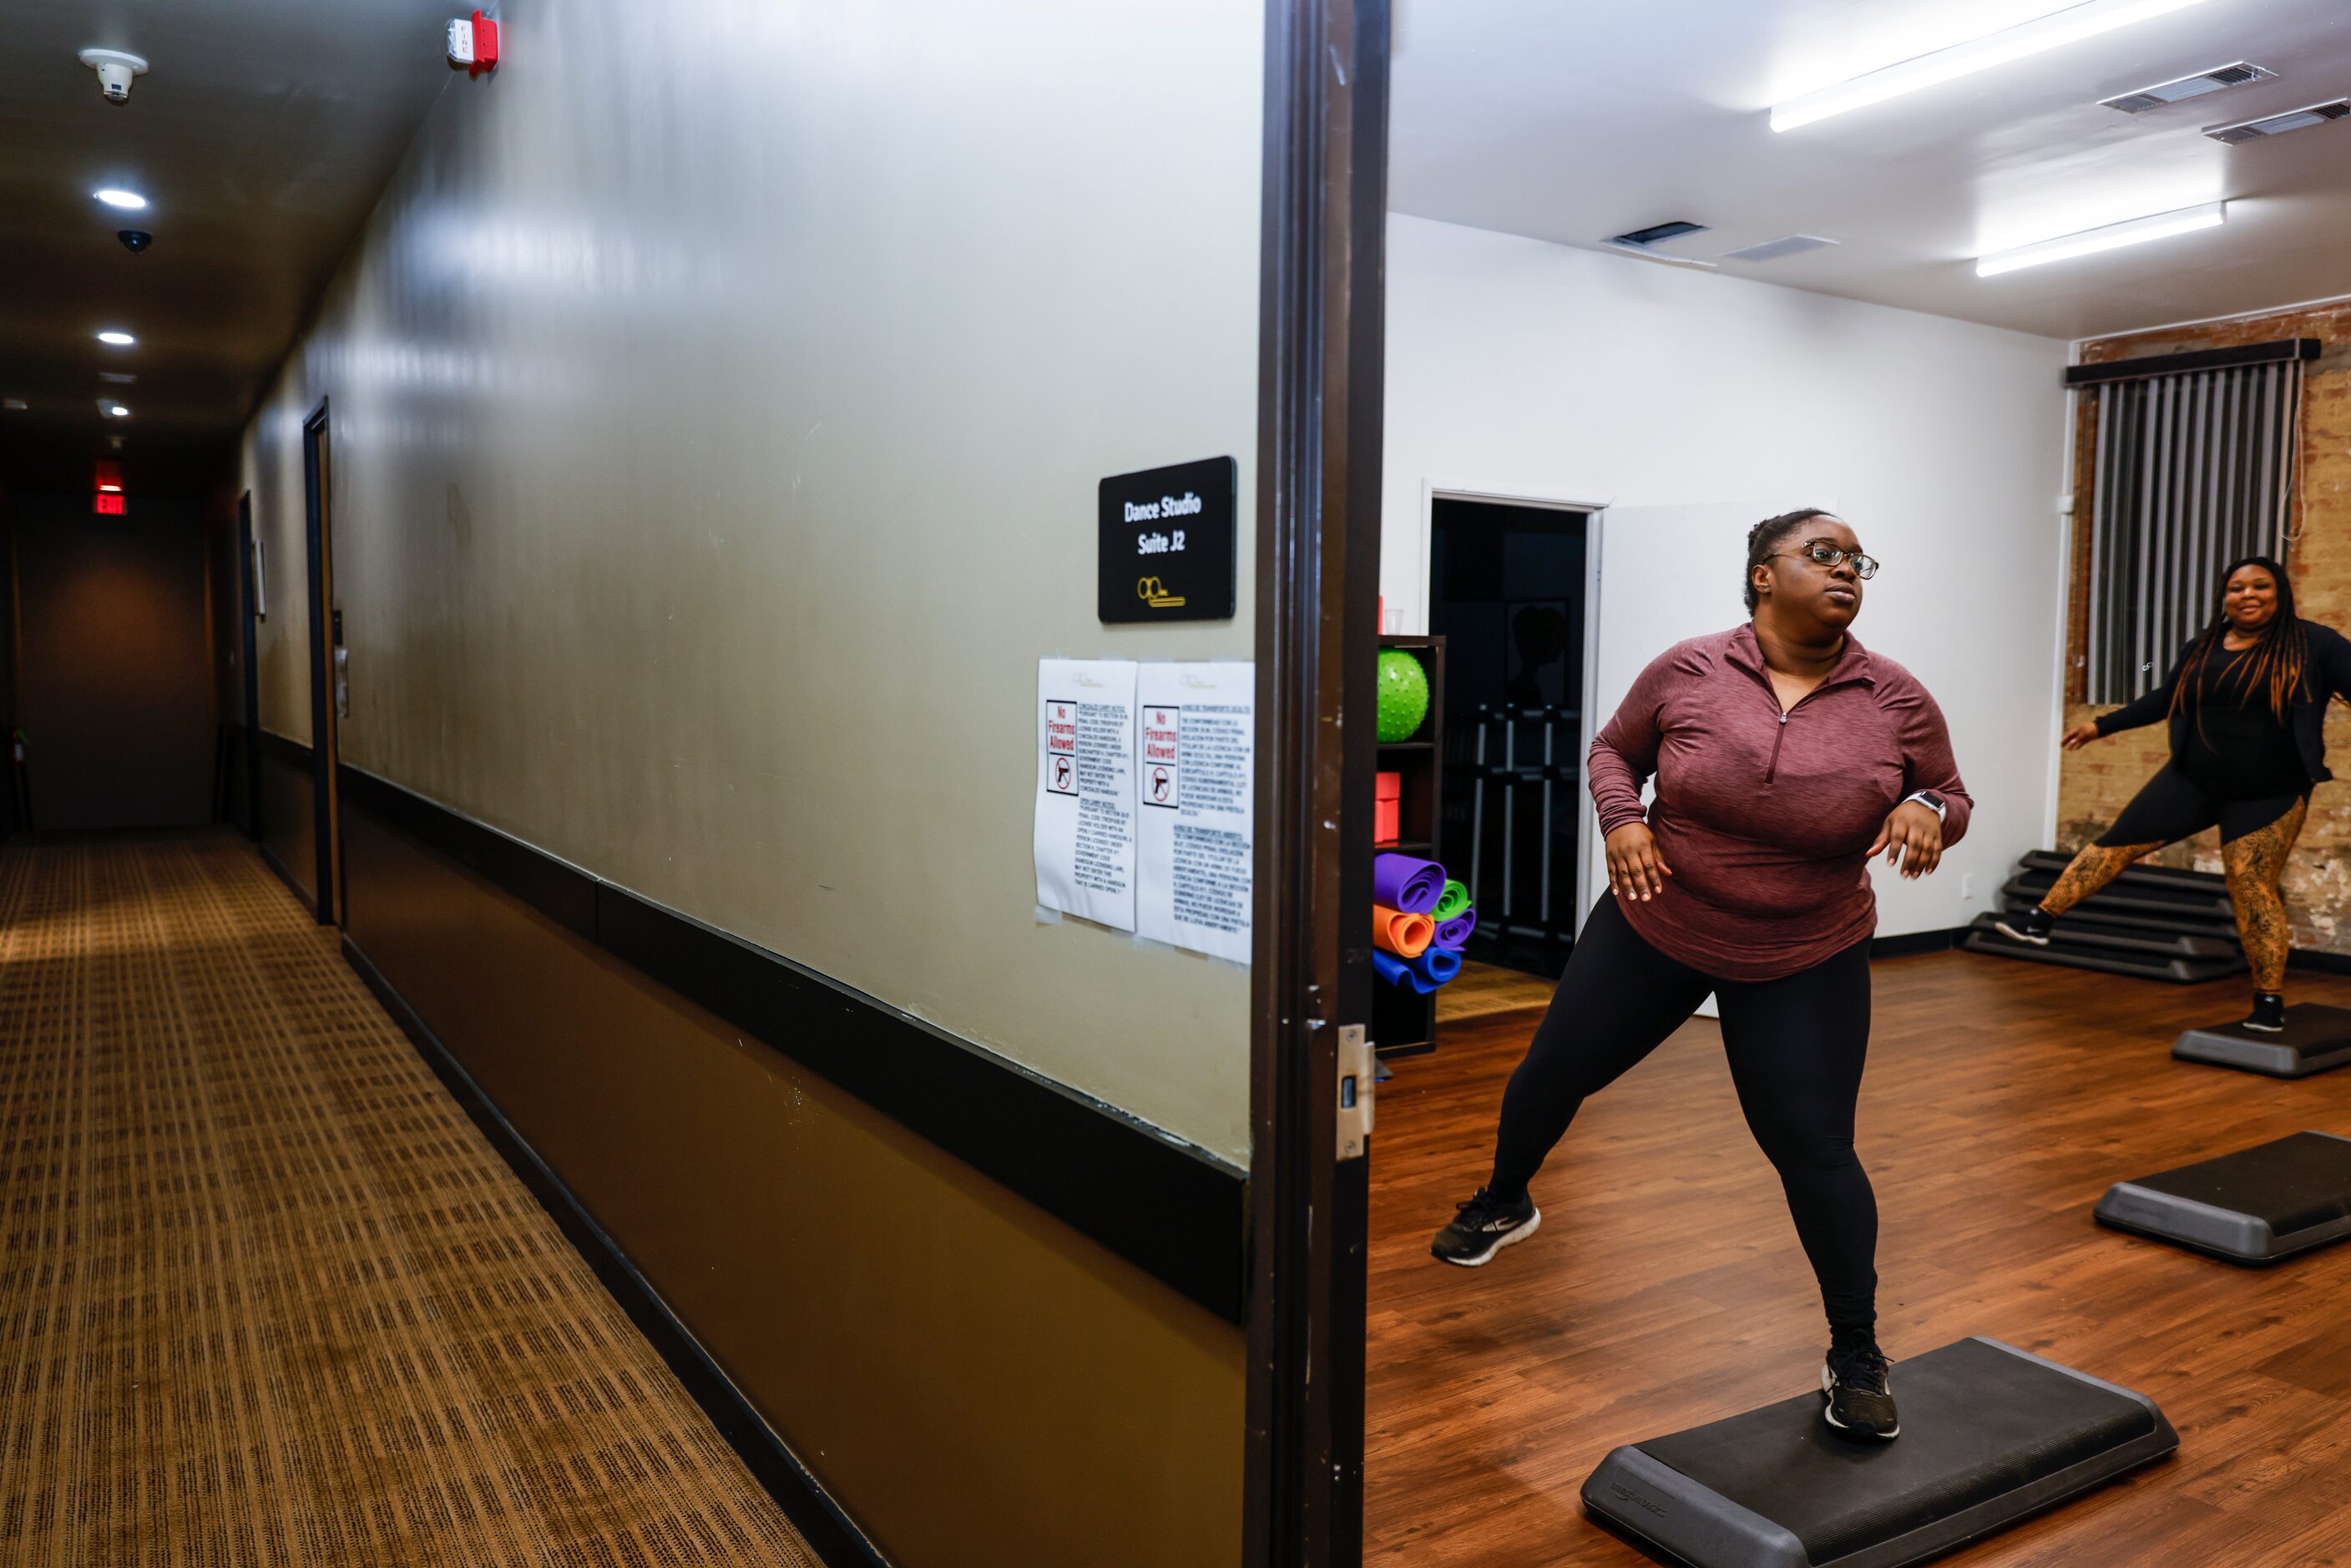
{"x":2097,"y":780}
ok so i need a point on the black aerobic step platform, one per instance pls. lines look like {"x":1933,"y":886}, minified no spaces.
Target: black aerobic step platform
{"x":2256,"y":1205}
{"x":2315,"y":1038}
{"x":1989,"y":1436}
{"x":1984,"y":937}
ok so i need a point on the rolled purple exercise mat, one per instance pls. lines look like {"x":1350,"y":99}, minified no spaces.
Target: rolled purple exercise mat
{"x":1451,"y":933}
{"x":1436,"y":967}
{"x":1406,"y":884}
{"x":1397,"y":972}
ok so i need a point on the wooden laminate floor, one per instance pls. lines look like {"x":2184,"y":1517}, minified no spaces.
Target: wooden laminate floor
{"x":267,"y":1299}
{"x":1666,"y":1286}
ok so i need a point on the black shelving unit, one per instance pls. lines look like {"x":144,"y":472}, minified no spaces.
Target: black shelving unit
{"x":1404,"y":1023}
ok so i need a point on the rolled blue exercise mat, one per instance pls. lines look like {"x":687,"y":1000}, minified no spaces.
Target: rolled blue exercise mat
{"x":1397,"y":972}
{"x":1436,"y":967}
{"x":1451,"y":933}
{"x":1407,"y":885}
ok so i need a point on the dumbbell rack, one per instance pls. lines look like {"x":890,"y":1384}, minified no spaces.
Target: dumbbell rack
{"x":2151,"y":922}
{"x":1529,"y":750}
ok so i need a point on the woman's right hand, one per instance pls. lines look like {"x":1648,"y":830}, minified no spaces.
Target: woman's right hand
{"x":2079,"y":736}
{"x":1636,"y":869}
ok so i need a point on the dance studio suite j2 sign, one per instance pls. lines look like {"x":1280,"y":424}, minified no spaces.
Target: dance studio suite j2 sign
{"x":1166,"y":551}
{"x":1145,"y":808}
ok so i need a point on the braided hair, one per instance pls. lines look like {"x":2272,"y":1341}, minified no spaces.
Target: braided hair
{"x":2273,"y":665}
{"x":1763,"y":540}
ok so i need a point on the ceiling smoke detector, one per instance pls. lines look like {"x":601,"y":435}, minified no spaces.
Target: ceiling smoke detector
{"x":2279,"y":124}
{"x":114,"y":70}
{"x":2217,"y":80}
{"x":1773,"y":249}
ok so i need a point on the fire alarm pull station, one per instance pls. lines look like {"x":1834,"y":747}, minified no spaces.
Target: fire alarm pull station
{"x":473,"y":45}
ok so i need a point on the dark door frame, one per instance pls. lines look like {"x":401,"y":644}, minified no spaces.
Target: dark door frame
{"x":318,"y":533}
{"x":1322,"y":305}
{"x":249,"y":642}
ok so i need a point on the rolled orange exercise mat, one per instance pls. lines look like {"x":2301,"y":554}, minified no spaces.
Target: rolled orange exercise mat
{"x":1405,"y":935}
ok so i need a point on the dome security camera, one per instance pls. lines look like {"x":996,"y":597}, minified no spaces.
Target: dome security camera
{"x":114,"y":70}
{"x":134,"y":240}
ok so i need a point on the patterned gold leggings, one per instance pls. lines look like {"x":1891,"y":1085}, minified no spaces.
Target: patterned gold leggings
{"x":2256,"y":839}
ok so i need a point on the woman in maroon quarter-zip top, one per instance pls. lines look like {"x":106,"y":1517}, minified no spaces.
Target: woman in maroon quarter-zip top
{"x":1786,"y":758}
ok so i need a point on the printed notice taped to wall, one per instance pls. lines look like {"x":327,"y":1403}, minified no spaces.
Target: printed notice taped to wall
{"x":1194,"y":775}
{"x":1085,"y":789}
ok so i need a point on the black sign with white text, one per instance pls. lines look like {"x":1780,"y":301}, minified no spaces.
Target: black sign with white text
{"x":1167,"y":546}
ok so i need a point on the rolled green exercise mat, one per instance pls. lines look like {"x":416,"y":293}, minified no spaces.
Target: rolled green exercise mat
{"x":1407,"y":885}
{"x":1434,"y":966}
{"x":1453,"y":901}
{"x":1397,"y":972}
{"x":1452,"y":934}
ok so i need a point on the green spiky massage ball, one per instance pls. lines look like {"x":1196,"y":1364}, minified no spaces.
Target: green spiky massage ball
{"x":1404,"y":695}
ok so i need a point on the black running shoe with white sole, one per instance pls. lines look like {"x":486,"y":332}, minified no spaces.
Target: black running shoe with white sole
{"x":1483,"y":1226}
{"x":2033,"y":926}
{"x":1860,"y":1399}
{"x":2269,"y":1013}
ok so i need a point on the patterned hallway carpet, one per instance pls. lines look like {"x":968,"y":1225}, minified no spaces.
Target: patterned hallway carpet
{"x":267,"y":1295}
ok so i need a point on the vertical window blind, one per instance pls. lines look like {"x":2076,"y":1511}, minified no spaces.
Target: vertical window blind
{"x":2193,"y":470}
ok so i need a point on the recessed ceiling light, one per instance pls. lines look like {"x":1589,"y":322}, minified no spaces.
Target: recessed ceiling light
{"x":129,"y":201}
{"x":2112,"y":236}
{"x":110,"y":489}
{"x":2053,"y":29}
{"x":112,"y":410}
{"x":119,"y":339}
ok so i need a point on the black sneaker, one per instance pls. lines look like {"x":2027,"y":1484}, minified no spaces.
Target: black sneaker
{"x":1860,"y":1401}
{"x":1483,"y":1226}
{"x":2033,"y":926}
{"x":2269,"y":1012}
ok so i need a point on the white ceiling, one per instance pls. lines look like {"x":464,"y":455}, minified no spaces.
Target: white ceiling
{"x":1572,"y":121}
{"x":262,"y":132}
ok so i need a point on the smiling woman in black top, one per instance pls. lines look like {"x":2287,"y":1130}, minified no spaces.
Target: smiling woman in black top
{"x":2247,"y":701}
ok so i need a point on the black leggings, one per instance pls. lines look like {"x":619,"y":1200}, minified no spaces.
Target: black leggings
{"x":2171,"y":807}
{"x":1795,"y":1046}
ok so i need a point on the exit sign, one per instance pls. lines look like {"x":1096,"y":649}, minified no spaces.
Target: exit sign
{"x":110,"y":506}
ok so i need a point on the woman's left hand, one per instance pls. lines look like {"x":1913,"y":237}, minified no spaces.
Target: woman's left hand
{"x":1913,"y":828}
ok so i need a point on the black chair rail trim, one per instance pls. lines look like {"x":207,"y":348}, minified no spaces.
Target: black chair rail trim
{"x":1164,"y":1205}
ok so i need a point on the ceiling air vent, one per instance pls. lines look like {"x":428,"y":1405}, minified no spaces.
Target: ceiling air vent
{"x":1656,"y":233}
{"x":1773,"y":249}
{"x":2196,"y":85}
{"x":2279,"y":124}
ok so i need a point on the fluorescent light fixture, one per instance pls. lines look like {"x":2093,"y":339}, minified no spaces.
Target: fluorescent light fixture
{"x":117,"y":339}
{"x":2112,"y":236}
{"x":13,"y":404}
{"x":112,"y":410}
{"x":109,"y":489}
{"x":129,"y":201}
{"x":116,"y":378}
{"x":2025,"y":39}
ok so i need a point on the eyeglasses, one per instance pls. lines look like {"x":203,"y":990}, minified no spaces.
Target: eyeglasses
{"x":1819,"y":552}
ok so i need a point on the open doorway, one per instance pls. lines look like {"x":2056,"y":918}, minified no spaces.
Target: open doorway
{"x":1508,"y":593}
{"x":329,"y":696}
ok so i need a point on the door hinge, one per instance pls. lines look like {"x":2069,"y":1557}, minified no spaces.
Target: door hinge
{"x":1358,"y":1065}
